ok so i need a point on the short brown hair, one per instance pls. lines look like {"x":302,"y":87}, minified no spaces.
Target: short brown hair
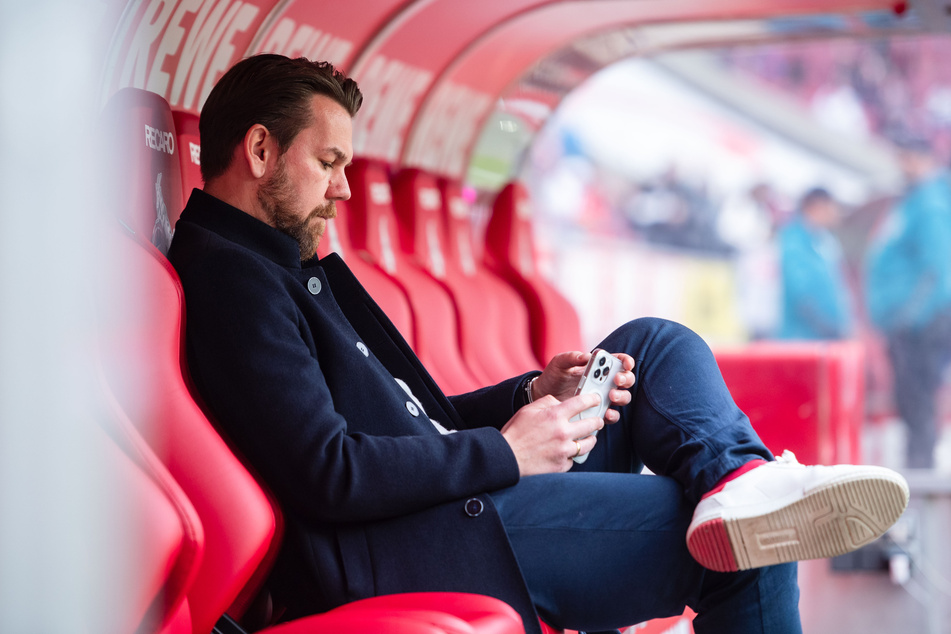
{"x":274,"y":91}
{"x":813,"y":196}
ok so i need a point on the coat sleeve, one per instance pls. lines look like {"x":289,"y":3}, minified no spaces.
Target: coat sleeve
{"x":491,"y":406}
{"x":252,"y":362}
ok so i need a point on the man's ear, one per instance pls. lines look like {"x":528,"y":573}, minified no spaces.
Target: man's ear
{"x":260,"y":148}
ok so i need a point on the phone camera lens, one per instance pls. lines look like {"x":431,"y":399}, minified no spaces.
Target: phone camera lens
{"x":597,"y":373}
{"x":602,"y":361}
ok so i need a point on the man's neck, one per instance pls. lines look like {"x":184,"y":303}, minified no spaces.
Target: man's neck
{"x":237,"y":193}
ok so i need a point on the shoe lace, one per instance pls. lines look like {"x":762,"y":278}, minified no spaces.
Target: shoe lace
{"x":788,"y":457}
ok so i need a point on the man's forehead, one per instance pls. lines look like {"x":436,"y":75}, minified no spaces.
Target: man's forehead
{"x":328,"y":108}
{"x":332,"y":126}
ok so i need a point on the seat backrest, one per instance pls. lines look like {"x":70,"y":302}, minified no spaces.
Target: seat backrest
{"x":510,"y":251}
{"x":374,"y":229}
{"x":486,"y":321}
{"x":189,"y":150}
{"x":493,"y":307}
{"x":144,"y":161}
{"x":385,"y":290}
{"x":462,"y":249}
{"x":166,"y":540}
{"x":417,"y":201}
{"x":144,"y":366}
{"x":372,"y":220}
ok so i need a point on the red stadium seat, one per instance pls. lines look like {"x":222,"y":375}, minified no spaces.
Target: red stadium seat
{"x":382,"y":288}
{"x":492,"y":305}
{"x":373,"y":228}
{"x":141,"y":140}
{"x":189,"y":150}
{"x":510,"y":252}
{"x":167,"y":538}
{"x":483,"y":323}
{"x":144,"y":367}
{"x":804,"y":396}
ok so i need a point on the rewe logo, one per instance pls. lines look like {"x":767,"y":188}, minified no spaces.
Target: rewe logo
{"x":178,"y":49}
{"x":446,"y":128}
{"x":391,"y":92}
{"x":289,"y":38}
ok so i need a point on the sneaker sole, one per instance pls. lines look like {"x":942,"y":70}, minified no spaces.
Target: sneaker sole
{"x":832,"y":520}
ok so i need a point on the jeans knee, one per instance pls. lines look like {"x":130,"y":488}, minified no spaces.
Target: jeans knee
{"x":651,"y":329}
{"x":644,"y":325}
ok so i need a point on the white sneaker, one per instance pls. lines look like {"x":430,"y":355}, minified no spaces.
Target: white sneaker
{"x":783,"y":511}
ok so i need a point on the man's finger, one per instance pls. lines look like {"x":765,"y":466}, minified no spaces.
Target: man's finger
{"x":625,"y":378}
{"x":619,"y":398}
{"x":586,"y":427}
{"x":587,"y":444}
{"x":568,"y":360}
{"x":577,"y":404}
{"x":627,"y":361}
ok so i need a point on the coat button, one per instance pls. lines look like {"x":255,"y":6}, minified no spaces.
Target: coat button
{"x":474,"y":507}
{"x":362,"y":347}
{"x":313,"y":285}
{"x":411,"y":408}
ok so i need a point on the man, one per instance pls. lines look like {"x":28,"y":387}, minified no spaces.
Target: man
{"x":389,"y":486}
{"x":908,"y":289}
{"x":816,"y":301}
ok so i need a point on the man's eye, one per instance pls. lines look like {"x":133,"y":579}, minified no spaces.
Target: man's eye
{"x":327,"y":165}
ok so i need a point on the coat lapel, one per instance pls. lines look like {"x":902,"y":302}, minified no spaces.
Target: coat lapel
{"x":378,"y":332}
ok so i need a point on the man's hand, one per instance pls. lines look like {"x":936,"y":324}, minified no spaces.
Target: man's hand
{"x":561,"y":376}
{"x":544,"y":440}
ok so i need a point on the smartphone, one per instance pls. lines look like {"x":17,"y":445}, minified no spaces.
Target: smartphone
{"x":598,"y":377}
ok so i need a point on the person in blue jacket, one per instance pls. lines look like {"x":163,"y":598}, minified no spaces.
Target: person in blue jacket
{"x":387,"y":485}
{"x":816,"y":297}
{"x":908,"y":291}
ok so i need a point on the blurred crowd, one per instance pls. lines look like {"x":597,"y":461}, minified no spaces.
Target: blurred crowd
{"x":862,"y":87}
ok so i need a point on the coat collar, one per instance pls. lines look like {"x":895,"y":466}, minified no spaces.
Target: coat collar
{"x":241,"y":228}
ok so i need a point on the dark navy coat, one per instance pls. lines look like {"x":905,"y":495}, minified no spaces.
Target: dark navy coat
{"x":298,"y":365}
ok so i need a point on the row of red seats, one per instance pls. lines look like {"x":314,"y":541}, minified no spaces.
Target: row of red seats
{"x":207,"y":529}
{"x":472,"y":321}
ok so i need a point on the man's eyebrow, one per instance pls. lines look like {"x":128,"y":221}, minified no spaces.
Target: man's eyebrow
{"x":340,"y":154}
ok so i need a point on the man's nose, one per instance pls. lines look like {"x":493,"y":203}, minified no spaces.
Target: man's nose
{"x":339,"y":188}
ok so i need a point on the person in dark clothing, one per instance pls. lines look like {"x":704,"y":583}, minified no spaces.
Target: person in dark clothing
{"x":388,"y":485}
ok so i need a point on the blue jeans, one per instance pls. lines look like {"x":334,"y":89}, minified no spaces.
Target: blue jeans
{"x":603,"y":546}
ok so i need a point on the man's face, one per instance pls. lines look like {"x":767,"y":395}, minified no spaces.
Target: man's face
{"x":824,"y":212}
{"x":915,"y":164}
{"x":309,"y":177}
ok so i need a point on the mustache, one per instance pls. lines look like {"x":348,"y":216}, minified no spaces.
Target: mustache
{"x":327,"y":211}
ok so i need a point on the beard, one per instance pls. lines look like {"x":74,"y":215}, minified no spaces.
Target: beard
{"x":277,"y":199}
